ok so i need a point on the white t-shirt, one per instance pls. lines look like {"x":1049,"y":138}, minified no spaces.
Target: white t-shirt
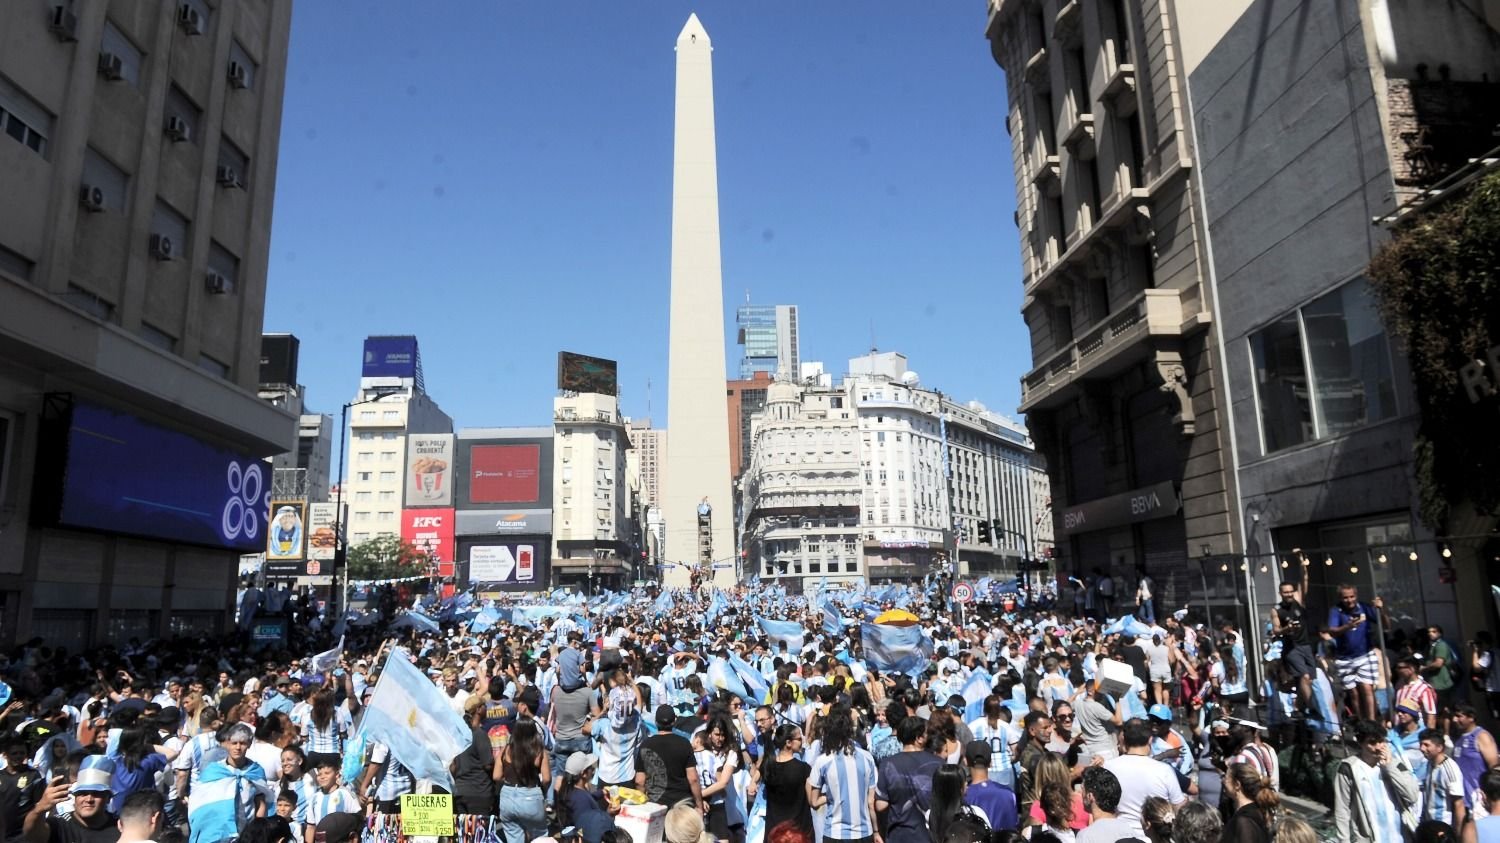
{"x":1109,"y":831}
{"x":1142,"y":777}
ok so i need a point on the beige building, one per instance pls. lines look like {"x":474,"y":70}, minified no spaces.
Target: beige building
{"x":593,"y":529}
{"x":376,"y":457}
{"x":649,"y":445}
{"x":138,"y":146}
{"x":1124,"y":393}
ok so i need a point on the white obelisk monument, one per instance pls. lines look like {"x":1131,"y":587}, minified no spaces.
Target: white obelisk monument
{"x":697,"y":475}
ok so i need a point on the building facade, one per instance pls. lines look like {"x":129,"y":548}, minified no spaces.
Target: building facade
{"x":768,"y":333}
{"x":650,"y":446}
{"x":596,"y":536}
{"x":746,"y":400}
{"x":138,"y":161}
{"x":1124,"y":395}
{"x":1371,"y":103}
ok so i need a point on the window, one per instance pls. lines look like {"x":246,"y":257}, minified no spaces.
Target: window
{"x":232,"y":158}
{"x":111,"y":180}
{"x":15,"y":265}
{"x":364,"y":476}
{"x":361,"y":538}
{"x":184,"y":109}
{"x":361,"y":497}
{"x":366,"y":415}
{"x":389,"y":435}
{"x":25,"y":121}
{"x":387,"y":456}
{"x":90,"y":302}
{"x":391,"y":415}
{"x":166,"y":222}
{"x":114,"y":43}
{"x":215,"y":367}
{"x":387,"y":476}
{"x":203,"y":10}
{"x":224,"y":263}
{"x":1323,"y":370}
{"x":362,"y":515}
{"x":365,"y":435}
{"x":157,"y":337}
{"x":387,"y":497}
{"x":387,"y":515}
{"x":249,"y":69}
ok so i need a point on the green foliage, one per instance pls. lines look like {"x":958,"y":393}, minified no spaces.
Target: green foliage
{"x":1438,"y":284}
{"x":384,"y":557}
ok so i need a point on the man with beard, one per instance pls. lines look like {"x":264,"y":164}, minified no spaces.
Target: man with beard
{"x":90,"y":822}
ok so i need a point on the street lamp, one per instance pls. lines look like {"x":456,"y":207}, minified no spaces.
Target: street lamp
{"x":341,"y":539}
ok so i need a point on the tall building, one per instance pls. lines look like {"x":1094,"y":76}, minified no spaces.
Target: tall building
{"x":745,"y":399}
{"x":768,"y":334}
{"x":697,"y":500}
{"x":650,"y":446}
{"x":138,"y":166}
{"x":1372,"y":104}
{"x":1126,"y":383}
{"x":304,"y":470}
{"x":392,"y":404}
{"x":593,"y":529}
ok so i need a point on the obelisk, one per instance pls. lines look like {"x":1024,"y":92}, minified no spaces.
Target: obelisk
{"x":697,"y":413}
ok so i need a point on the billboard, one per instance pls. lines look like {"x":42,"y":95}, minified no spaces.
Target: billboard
{"x":430,"y":531}
{"x":103,"y":469}
{"x":390,"y":357}
{"x":284,"y":539}
{"x":504,"y":473}
{"x":513,"y":566}
{"x":500,"y":522}
{"x":322,"y":531}
{"x":429,"y":469}
{"x":582,"y":373}
{"x":278,"y":359}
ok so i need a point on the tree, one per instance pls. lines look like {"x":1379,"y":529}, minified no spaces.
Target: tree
{"x":1438,"y":283}
{"x":384,"y":558}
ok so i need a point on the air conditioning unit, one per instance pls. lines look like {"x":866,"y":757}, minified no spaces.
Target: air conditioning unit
{"x":237,"y":75}
{"x":91,"y":197}
{"x":162,"y":248}
{"x":64,"y":24}
{"x":227,"y":176}
{"x":111,"y":66}
{"x":217,"y":284}
{"x":189,"y":19}
{"x":177,"y":129}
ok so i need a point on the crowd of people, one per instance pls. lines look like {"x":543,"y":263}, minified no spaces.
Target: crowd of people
{"x":757,"y":716}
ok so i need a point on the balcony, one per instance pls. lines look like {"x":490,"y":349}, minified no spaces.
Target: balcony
{"x":1067,"y":27}
{"x":1080,"y":137}
{"x":1046,"y":174}
{"x":1105,"y":349}
{"x":1119,"y":91}
{"x":1035,"y":72}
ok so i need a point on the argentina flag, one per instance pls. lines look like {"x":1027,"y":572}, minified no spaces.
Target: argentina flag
{"x":409,"y":715}
{"x":896,"y":649}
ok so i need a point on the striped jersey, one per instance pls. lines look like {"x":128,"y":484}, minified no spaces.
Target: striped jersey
{"x":846,"y":779}
{"x":321,"y":804}
{"x":617,"y":748}
{"x":1001,"y":737}
{"x":397,"y":779}
{"x":330,"y":738}
{"x":1443,"y":784}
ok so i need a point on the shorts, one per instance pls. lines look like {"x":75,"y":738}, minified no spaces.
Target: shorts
{"x":1299,"y":661}
{"x":1359,"y":670}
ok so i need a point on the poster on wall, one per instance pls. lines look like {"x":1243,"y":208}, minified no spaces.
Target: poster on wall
{"x":322,"y":531}
{"x":429,"y":469}
{"x":284,"y":540}
{"x":430,"y":531}
{"x":519,"y":566}
{"x":504,"y":473}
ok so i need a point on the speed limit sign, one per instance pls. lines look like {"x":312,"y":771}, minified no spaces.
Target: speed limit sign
{"x":963,"y":592}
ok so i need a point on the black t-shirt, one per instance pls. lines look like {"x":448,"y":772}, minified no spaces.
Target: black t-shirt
{"x":1138,"y":661}
{"x":471,"y":769}
{"x":70,"y":830}
{"x":19,"y":792}
{"x":1293,"y":619}
{"x":666,"y":759}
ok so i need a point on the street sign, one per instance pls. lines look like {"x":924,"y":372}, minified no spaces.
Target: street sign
{"x":963,"y":592}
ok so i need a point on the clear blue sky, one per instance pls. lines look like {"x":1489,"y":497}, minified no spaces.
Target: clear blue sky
{"x":495,"y":177}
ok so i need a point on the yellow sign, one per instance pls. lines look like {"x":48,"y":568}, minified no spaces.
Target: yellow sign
{"x":427,"y":815}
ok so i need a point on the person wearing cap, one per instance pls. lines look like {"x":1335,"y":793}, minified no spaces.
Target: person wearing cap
{"x":1415,"y":691}
{"x":997,"y":801}
{"x":1169,"y":747}
{"x":90,"y":822}
{"x":576,"y":804}
{"x":341,"y":827}
{"x":276,"y":697}
{"x":665,"y":767}
{"x":1405,"y":737}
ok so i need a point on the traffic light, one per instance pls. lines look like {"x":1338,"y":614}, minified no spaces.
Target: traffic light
{"x":984,"y":532}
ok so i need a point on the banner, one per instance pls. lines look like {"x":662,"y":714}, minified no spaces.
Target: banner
{"x":322,"y":531}
{"x":896,"y":649}
{"x":284,"y":539}
{"x":429,"y":469}
{"x":790,"y":633}
{"x":515,"y":566}
{"x":430,"y":531}
{"x":411,"y":716}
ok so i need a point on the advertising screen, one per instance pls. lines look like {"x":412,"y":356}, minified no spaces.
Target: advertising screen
{"x":515,"y":566}
{"x":322,"y":535}
{"x":504,"y":473}
{"x":430,"y":531}
{"x":390,"y":357}
{"x":284,"y":539}
{"x":278,"y":359}
{"x":582,"y":373}
{"x":429,"y":469}
{"x":126,"y":475}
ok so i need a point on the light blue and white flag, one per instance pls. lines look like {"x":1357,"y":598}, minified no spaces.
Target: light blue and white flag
{"x":833,"y":624}
{"x":974,"y":692}
{"x":789,"y":632}
{"x":327,"y":661}
{"x":723,"y":676}
{"x":416,"y":620}
{"x":664,"y":603}
{"x":716,"y":604}
{"x":752,"y":679}
{"x":223,"y":800}
{"x":896,"y":649}
{"x":411,"y":716}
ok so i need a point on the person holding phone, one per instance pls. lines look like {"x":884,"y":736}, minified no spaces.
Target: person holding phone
{"x":1356,"y":650}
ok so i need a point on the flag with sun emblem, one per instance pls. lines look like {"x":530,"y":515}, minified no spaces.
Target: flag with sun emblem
{"x":411,"y":716}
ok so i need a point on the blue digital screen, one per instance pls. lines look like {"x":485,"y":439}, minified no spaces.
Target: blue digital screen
{"x":127,"y":475}
{"x":390,"y":357}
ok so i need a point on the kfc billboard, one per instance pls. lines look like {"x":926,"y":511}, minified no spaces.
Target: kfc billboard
{"x":429,"y":469}
{"x":430,"y":531}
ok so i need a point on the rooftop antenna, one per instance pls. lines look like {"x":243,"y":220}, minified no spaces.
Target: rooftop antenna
{"x":648,"y":398}
{"x":873,"y":348}
{"x":747,"y":295}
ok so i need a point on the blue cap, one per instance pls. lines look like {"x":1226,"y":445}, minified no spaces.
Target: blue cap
{"x":94,"y":775}
{"x":1161,"y":712}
